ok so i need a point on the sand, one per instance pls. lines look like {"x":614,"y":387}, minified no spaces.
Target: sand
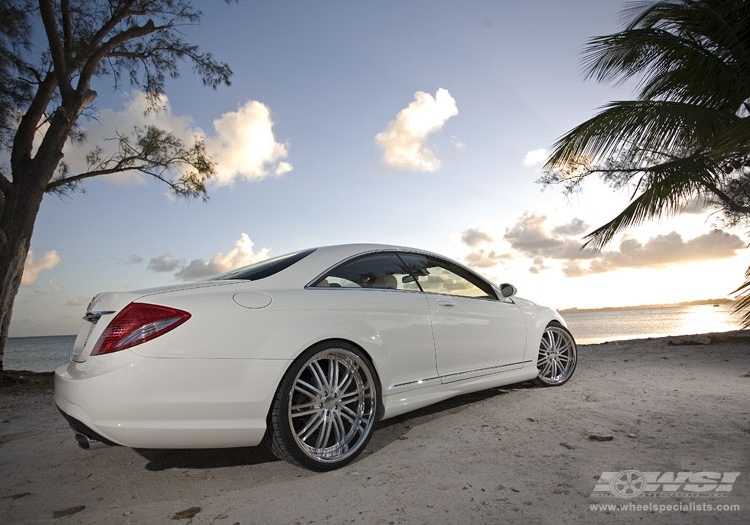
{"x":519,"y":454}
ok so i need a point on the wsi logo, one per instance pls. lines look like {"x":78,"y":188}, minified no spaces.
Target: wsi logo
{"x":633,"y":483}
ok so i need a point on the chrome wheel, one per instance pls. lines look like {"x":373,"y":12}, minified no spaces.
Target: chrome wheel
{"x":557,"y":356}
{"x":326,"y":408}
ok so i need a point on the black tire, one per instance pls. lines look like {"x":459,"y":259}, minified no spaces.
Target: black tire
{"x":558,"y":356}
{"x":324,"y":411}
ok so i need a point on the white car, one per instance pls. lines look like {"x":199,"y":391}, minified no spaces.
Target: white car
{"x":308,"y":350}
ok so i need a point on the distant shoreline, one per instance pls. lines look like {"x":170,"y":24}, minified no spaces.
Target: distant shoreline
{"x":572,"y":309}
{"x":700,"y":302}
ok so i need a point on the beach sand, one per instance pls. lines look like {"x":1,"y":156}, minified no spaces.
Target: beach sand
{"x":519,"y":454}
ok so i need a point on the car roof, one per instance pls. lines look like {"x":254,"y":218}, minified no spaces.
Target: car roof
{"x":325,"y":257}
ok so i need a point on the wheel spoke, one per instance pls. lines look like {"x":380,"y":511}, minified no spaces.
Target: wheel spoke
{"x":339,"y":428}
{"x":354,"y":394}
{"x":311,"y":426}
{"x":305,"y":409}
{"x":307,"y":389}
{"x":325,"y":434}
{"x":556,"y":367}
{"x":319,"y":375}
{"x":343,"y":384}
{"x":333,"y":373}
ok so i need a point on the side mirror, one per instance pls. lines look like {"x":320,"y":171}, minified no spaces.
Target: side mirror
{"x":508,"y":290}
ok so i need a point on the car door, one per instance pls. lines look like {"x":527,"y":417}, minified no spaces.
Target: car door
{"x":476,"y":332}
{"x":374,"y":293}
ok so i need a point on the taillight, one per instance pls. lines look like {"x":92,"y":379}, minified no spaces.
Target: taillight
{"x":136,"y":324}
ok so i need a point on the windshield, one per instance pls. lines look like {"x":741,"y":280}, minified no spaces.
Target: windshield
{"x":263,"y":269}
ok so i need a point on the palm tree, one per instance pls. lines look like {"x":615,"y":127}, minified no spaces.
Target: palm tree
{"x":687,"y":135}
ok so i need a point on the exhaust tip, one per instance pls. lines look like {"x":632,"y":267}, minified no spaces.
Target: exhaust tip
{"x":84,"y":442}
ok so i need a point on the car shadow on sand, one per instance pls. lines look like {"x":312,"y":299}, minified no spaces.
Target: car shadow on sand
{"x":386,"y":432}
{"x":209,"y":458}
{"x":390,"y":430}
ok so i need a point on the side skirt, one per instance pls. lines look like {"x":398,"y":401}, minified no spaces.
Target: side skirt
{"x":398,"y":404}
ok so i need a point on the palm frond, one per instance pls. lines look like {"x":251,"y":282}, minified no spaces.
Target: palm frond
{"x":735,"y":140}
{"x":665,"y":190}
{"x":655,"y":126}
{"x":690,"y":51}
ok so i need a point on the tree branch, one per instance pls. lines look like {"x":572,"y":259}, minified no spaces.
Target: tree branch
{"x":89,"y":69}
{"x":59,"y":184}
{"x":23,"y":141}
{"x":56,"y":51}
{"x":727,"y":200}
{"x":67,"y":25}
{"x":120,"y":167}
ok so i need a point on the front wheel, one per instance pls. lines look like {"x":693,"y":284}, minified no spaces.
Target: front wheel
{"x":557,"y":356}
{"x":325,"y":408}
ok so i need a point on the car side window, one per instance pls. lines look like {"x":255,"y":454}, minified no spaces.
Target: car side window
{"x":443,"y":277}
{"x":382,"y":270}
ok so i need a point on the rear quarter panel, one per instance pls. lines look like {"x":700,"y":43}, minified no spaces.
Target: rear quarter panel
{"x":393,"y":327}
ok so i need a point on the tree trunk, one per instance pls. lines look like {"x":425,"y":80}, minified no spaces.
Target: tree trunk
{"x":16,"y":227}
{"x":19,"y":205}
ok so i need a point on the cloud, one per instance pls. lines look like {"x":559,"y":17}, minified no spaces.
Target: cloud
{"x":242,"y":144}
{"x":532,"y":238}
{"x":54,"y":286}
{"x":241,"y":255}
{"x":574,"y":227}
{"x":163,"y":263}
{"x":131,"y":260}
{"x":404,"y":140}
{"x":32,"y":268}
{"x":245,"y":146}
{"x":480,"y":258}
{"x":474,"y":236}
{"x":668,"y":249}
{"x":535,"y":157}
{"x":546,"y":246}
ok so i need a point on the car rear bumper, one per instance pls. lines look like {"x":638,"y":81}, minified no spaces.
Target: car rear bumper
{"x":140,"y":402}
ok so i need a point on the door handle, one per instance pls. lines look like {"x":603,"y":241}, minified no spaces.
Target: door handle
{"x":447,"y":304}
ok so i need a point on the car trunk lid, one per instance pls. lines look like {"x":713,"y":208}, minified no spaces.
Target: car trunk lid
{"x":105,"y":306}
{"x":102,"y":308}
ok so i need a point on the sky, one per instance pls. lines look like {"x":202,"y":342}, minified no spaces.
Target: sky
{"x":422,"y":123}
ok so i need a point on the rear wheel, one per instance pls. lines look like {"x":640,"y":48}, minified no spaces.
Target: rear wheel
{"x":325,"y":408}
{"x":557,"y":356}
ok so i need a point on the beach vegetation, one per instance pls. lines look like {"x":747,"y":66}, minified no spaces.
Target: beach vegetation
{"x":52,"y":55}
{"x":685,"y":139}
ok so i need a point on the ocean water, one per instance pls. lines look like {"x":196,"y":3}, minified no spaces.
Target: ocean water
{"x":599,"y":326}
{"x":38,"y":354}
{"x":44,"y":354}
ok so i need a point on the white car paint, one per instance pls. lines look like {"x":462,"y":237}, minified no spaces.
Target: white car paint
{"x":211,"y":381}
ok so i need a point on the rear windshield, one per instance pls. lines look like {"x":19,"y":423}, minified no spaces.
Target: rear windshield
{"x":263,"y":269}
